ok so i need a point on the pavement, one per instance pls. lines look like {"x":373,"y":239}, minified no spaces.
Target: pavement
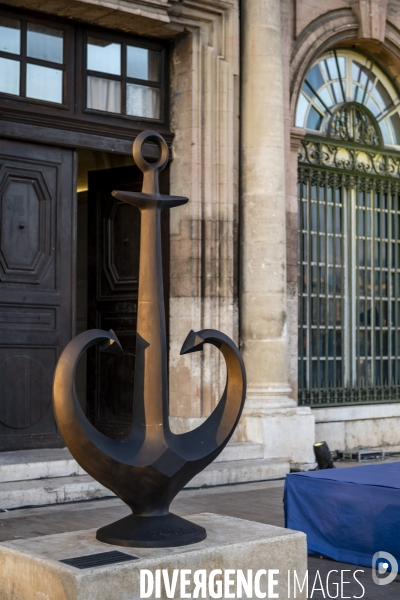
{"x":260,"y":502}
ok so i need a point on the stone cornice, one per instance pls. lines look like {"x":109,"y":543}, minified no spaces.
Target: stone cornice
{"x":214,"y":6}
{"x":159,"y":18}
{"x":149,"y":9}
{"x":296,"y":135}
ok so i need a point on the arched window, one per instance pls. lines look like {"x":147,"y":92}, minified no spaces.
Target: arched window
{"x":340,"y":77}
{"x":349,"y":233}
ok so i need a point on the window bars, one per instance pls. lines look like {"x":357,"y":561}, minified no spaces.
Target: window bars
{"x":349,"y":275}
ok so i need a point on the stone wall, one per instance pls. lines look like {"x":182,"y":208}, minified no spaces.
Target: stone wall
{"x":352,"y":427}
{"x":204,"y":109}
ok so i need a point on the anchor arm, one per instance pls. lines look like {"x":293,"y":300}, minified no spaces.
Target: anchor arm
{"x":210,"y":438}
{"x":93,"y":451}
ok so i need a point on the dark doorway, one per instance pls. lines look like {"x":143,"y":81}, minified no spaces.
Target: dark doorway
{"x":37,"y":286}
{"x":113,"y":268}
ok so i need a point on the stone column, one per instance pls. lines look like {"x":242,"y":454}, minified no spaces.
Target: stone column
{"x":271,"y":416}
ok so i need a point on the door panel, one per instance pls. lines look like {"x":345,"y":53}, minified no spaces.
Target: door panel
{"x":113,"y":268}
{"x":37,"y":212}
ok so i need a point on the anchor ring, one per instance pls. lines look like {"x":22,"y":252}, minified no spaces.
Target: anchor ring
{"x":137,"y":152}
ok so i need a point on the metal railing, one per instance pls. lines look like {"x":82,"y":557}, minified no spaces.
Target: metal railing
{"x":349,"y":275}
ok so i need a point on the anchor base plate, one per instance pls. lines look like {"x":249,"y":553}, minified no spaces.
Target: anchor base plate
{"x":151,"y":532}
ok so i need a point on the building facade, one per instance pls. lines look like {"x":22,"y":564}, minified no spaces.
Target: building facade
{"x":283,"y":122}
{"x":346,"y":271}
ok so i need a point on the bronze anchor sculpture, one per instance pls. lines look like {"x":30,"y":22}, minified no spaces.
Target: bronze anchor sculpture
{"x":150,"y":466}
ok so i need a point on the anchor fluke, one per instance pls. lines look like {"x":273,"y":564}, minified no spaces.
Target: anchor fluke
{"x":193,"y":343}
{"x":113,"y":345}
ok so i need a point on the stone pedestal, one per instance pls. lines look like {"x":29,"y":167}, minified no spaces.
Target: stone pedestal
{"x":30,"y":569}
{"x":271,"y":416}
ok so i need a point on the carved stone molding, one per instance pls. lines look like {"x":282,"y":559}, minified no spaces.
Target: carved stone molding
{"x":371,"y":15}
{"x":296,"y":135}
{"x":144,"y":17}
{"x":204,"y":88}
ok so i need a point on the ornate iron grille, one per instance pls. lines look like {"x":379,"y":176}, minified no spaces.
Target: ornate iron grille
{"x":349,"y":275}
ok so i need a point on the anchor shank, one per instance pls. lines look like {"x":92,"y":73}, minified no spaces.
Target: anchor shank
{"x":150,"y":398}
{"x":151,"y":349}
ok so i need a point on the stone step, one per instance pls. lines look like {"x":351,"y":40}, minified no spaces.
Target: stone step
{"x":240,"y":451}
{"x":40,"y":464}
{"x":37,"y":464}
{"x":240,"y":471}
{"x":39,"y":492}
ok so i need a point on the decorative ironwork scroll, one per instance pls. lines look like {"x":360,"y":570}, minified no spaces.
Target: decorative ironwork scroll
{"x":352,"y":122}
{"x":324,"y":153}
{"x":149,"y":467}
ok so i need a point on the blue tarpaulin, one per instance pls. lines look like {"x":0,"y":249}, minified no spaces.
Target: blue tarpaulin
{"x":348,"y":514}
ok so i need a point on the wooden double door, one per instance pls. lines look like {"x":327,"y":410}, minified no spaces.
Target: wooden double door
{"x":37,"y":286}
{"x":113,"y":270}
{"x":38,"y":289}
